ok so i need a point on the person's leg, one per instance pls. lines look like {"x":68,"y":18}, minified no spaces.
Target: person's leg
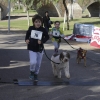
{"x":56,"y":46}
{"x":37,"y":68}
{"x":33,"y":62}
{"x":47,"y":29}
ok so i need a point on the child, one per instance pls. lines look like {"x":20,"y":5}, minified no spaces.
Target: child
{"x":56,"y":34}
{"x":36,"y":35}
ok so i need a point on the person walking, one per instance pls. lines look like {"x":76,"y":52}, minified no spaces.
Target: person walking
{"x":46,"y":21}
{"x":56,"y":33}
{"x":35,"y":37}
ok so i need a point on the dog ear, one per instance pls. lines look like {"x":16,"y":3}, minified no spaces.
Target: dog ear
{"x":68,"y":55}
{"x":61,"y":56}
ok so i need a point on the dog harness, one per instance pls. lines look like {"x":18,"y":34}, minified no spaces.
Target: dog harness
{"x":80,"y":52}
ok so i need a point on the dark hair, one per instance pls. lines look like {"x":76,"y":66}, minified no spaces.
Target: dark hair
{"x":37,"y":17}
{"x":46,"y":12}
{"x":57,"y":22}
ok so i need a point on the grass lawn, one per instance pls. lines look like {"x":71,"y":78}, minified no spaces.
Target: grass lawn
{"x":20,"y":12}
{"x":21,"y":23}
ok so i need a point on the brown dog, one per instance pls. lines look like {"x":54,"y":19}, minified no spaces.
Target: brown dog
{"x":81,"y":54}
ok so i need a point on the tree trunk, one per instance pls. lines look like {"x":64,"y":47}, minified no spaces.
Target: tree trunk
{"x":28,"y":18}
{"x":24,"y":8}
{"x":12,"y":9}
{"x":71,"y":9}
{"x":67,"y":14}
{"x":19,"y":4}
{"x":99,"y":9}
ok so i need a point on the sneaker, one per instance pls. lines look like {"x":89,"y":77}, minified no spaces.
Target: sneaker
{"x":31,"y":75}
{"x":35,"y":77}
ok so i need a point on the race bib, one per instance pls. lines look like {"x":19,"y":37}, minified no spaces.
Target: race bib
{"x":56,"y":33}
{"x":36,"y":34}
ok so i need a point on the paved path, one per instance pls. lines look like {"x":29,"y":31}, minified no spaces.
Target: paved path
{"x":84,"y":83}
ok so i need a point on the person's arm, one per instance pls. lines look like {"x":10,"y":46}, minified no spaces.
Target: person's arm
{"x":46,"y":36}
{"x":44,"y":21}
{"x":49,"y":18}
{"x":61,"y":33}
{"x":50,"y":33}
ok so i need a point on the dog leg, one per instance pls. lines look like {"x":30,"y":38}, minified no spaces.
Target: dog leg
{"x":66,"y":70}
{"x":54,"y":69}
{"x":77,"y":60}
{"x":59,"y":73}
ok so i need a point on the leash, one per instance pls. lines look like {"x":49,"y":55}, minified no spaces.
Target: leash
{"x":68,"y":43}
{"x":41,"y":49}
{"x":49,"y":58}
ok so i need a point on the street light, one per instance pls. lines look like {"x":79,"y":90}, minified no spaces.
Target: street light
{"x":8,"y":16}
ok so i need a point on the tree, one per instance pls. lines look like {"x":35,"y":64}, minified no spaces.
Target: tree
{"x":15,"y":1}
{"x":56,"y":1}
{"x":19,"y":4}
{"x":12,"y":4}
{"x":32,"y":3}
{"x":66,"y":9}
{"x":99,"y":7}
{"x":71,"y":9}
{"x":67,"y":13}
{"x":28,"y":4}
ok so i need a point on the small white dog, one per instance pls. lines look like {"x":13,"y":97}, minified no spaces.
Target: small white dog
{"x":63,"y":60}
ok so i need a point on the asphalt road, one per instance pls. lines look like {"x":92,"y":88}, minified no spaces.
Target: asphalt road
{"x":84,"y":83}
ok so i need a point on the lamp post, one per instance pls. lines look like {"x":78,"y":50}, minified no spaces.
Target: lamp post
{"x":8,"y":16}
